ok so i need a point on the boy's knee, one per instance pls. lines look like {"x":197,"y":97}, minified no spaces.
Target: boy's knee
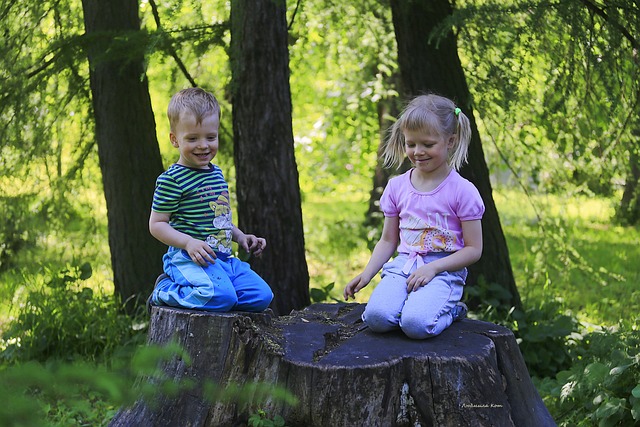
{"x":255,"y":301}
{"x":263,"y":300}
{"x":222,"y":302}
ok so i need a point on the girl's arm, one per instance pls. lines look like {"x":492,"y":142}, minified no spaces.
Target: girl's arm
{"x":199,"y":251}
{"x":472,"y":235}
{"x":383,"y":250}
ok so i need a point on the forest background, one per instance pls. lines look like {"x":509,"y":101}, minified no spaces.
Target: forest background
{"x":554,"y":88}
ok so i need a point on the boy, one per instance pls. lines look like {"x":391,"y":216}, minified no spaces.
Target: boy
{"x":191,"y":214}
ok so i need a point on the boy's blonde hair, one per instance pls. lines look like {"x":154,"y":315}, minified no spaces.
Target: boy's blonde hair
{"x":193,"y":100}
{"x":433,"y":115}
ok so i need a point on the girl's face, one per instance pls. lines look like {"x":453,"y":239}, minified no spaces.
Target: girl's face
{"x":197,"y":143}
{"x":428,"y":152}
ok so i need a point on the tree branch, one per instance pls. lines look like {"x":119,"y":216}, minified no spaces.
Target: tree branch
{"x":293,"y":17}
{"x":170,"y":48}
{"x":603,"y":14}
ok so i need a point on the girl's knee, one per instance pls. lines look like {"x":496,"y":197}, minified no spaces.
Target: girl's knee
{"x":420,"y":328}
{"x":379,"y":320}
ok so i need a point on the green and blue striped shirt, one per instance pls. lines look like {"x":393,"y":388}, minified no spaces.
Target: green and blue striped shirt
{"x":198,"y":202}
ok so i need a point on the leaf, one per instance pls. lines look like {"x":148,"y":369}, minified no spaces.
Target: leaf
{"x":317,"y":295}
{"x":611,"y":412}
{"x":635,"y":408}
{"x":595,"y":373}
{"x":85,"y":271}
{"x":618,"y":370}
{"x":636,"y":391}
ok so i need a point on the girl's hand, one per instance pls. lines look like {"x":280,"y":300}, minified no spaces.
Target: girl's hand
{"x":252,"y":244}
{"x":354,"y":286}
{"x":200,"y":252}
{"x":420,"y":277}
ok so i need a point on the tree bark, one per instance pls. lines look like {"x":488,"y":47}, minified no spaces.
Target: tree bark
{"x":434,"y":66}
{"x":343,"y":374}
{"x":269,"y":202}
{"x":629,"y":207}
{"x":127,"y":146}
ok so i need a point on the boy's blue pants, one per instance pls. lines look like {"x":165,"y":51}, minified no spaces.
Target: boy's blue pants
{"x":229,"y":284}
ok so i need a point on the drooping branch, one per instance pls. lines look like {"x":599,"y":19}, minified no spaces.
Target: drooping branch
{"x":293,"y":16}
{"x":604,"y":15}
{"x":170,"y":48}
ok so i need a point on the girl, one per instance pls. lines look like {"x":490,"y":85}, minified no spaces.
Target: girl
{"x":432,"y":218}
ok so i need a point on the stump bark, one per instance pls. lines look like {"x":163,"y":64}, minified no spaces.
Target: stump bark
{"x":473,"y":374}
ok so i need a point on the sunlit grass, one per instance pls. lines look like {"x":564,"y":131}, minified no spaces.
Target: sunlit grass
{"x":335,"y":246}
{"x":600,"y":283}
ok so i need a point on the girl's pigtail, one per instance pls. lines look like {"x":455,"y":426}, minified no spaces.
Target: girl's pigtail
{"x":393,"y":152}
{"x":463,"y":139}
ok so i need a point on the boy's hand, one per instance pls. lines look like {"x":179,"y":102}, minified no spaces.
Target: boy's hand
{"x":252,"y":244}
{"x":200,"y":252}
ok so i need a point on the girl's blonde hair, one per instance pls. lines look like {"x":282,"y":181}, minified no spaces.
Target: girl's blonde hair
{"x":194,"y":100}
{"x":431,"y":114}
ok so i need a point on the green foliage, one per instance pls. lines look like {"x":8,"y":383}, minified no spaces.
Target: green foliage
{"x":260,"y":419}
{"x":81,"y":393}
{"x":568,"y":262}
{"x":602,"y":387}
{"x":60,"y":318}
{"x":323,"y":293}
{"x":343,"y":57}
{"x":559,"y":78}
{"x":545,"y":333}
{"x":16,"y":233}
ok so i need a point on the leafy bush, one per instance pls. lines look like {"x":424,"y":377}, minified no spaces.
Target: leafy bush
{"x":261,"y":419}
{"x":15,"y":230}
{"x":81,"y":393}
{"x":59,"y":318}
{"x":602,"y":387}
{"x":545,"y":333}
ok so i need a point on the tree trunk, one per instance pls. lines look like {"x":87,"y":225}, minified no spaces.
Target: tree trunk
{"x":268,"y":191}
{"x":629,"y":207}
{"x":127,"y":146}
{"x":341,"y":373}
{"x":434,"y":66}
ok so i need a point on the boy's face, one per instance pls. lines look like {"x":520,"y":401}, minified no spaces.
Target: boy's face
{"x":197,"y":143}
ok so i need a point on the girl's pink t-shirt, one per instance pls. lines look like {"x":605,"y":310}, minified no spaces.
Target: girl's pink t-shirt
{"x":431,"y":221}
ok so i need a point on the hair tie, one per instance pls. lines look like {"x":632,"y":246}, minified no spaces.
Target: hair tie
{"x":457,"y":111}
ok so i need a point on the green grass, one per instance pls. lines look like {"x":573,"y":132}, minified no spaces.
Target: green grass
{"x":336,"y":245}
{"x":592,"y":264}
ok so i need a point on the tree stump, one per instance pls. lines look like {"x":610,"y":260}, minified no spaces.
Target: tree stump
{"x":473,"y":374}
